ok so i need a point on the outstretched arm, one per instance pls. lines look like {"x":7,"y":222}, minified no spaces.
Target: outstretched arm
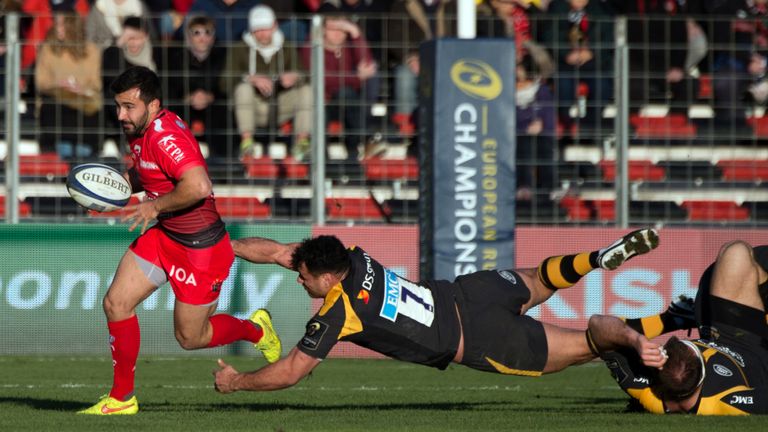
{"x":264,"y":251}
{"x":279,"y":375}
{"x":609,"y":333}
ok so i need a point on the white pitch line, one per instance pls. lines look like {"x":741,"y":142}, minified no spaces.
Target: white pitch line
{"x":299,"y":388}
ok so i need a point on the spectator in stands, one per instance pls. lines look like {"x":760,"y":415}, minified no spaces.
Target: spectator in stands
{"x":230,"y":15}
{"x":657,"y":32}
{"x":40,"y":13}
{"x":734,"y":40}
{"x":3,"y":50}
{"x":535,"y":131}
{"x":105,"y":21}
{"x":68,"y":82}
{"x":132,"y":48}
{"x":583,"y":39}
{"x":193,"y":79}
{"x":351,"y":77}
{"x":410,"y":23}
{"x":758,"y":88}
{"x":517,"y":19}
{"x":163,"y":18}
{"x":292,"y":17}
{"x":264,"y":72}
{"x":368,"y":15}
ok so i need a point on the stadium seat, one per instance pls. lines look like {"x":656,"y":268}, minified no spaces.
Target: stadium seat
{"x":715,"y":211}
{"x":246,"y":207}
{"x":705,"y":86}
{"x":759,"y":125}
{"x":638,"y":170}
{"x":356,"y":208}
{"x":670,"y":126}
{"x":744,"y":170}
{"x":266,"y":167}
{"x":293,"y":169}
{"x":262,"y":167}
{"x":43,"y":165}
{"x":376,"y":168}
{"x":577,"y":209}
{"x":25,"y":210}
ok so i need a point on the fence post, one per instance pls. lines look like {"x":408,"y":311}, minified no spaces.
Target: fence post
{"x":12,"y":75}
{"x":318,"y":122}
{"x":622,"y":124}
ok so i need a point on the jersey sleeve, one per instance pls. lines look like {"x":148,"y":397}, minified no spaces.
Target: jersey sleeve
{"x":322,"y":332}
{"x":175,"y":152}
{"x":633,"y":378}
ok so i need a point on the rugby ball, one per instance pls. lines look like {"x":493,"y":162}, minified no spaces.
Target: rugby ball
{"x":98,"y":187}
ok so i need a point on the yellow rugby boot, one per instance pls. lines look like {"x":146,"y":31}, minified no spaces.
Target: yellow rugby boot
{"x":111,"y":406}
{"x":269,"y":344}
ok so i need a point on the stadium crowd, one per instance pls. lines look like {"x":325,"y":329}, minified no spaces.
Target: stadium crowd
{"x":238,"y":70}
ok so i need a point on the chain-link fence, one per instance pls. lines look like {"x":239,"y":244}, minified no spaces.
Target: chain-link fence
{"x":669,"y":103}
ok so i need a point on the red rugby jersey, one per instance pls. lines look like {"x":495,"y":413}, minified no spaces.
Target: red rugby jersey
{"x":160,"y":156}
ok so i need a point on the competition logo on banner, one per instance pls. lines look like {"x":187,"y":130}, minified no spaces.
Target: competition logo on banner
{"x":468,"y":165}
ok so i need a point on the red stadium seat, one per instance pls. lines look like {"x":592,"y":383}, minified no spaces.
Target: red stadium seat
{"x":263,"y":167}
{"x":242,"y":207}
{"x":744,"y":170}
{"x":715,"y":211}
{"x":294,"y":169}
{"x":577,"y":209}
{"x":638,"y":170}
{"x":673,"y":125}
{"x":355,"y":208}
{"x":25,"y":209}
{"x":43,"y":165}
{"x":376,"y":168}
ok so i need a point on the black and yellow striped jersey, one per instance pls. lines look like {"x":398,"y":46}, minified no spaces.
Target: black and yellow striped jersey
{"x":735,"y":383}
{"x":375,"y":308}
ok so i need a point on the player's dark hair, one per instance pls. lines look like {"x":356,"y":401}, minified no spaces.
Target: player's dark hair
{"x":321,"y":254}
{"x":681,"y":374}
{"x":138,"y":77}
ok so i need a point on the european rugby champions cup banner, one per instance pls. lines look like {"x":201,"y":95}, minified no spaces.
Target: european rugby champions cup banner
{"x":467,"y":156}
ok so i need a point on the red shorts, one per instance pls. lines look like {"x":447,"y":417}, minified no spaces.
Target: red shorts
{"x":196,"y":275}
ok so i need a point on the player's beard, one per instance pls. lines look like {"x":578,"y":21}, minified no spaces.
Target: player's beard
{"x":138,"y":128}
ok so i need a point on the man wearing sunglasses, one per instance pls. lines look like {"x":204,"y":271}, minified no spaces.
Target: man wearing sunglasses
{"x":723,"y":373}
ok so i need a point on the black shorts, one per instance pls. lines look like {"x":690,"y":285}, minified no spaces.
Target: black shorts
{"x":721,"y":318}
{"x":496,"y":337}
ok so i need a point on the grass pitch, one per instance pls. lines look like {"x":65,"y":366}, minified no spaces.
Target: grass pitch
{"x":176,"y":394}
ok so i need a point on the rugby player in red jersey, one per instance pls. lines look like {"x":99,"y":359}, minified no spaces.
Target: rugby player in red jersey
{"x":188,"y":246}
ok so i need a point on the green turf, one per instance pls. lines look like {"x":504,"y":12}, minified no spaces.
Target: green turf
{"x":41,"y":394}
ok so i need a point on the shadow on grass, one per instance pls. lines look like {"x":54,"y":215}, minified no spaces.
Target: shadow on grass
{"x":559,"y":404}
{"x":44,"y":404}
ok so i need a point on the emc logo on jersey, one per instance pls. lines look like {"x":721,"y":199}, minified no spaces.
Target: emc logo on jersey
{"x":744,"y":400}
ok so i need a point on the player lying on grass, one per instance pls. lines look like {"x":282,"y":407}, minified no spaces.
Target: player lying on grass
{"x":478,"y":320}
{"x":725,"y":372}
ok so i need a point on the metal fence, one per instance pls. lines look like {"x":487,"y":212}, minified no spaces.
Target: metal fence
{"x":660,"y":121}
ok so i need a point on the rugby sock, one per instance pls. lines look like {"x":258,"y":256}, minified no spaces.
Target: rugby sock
{"x":655,"y":325}
{"x":228,"y":329}
{"x":125,"y":340}
{"x":564,"y":271}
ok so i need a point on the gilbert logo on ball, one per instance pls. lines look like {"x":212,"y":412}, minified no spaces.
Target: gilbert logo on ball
{"x":98,"y":187}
